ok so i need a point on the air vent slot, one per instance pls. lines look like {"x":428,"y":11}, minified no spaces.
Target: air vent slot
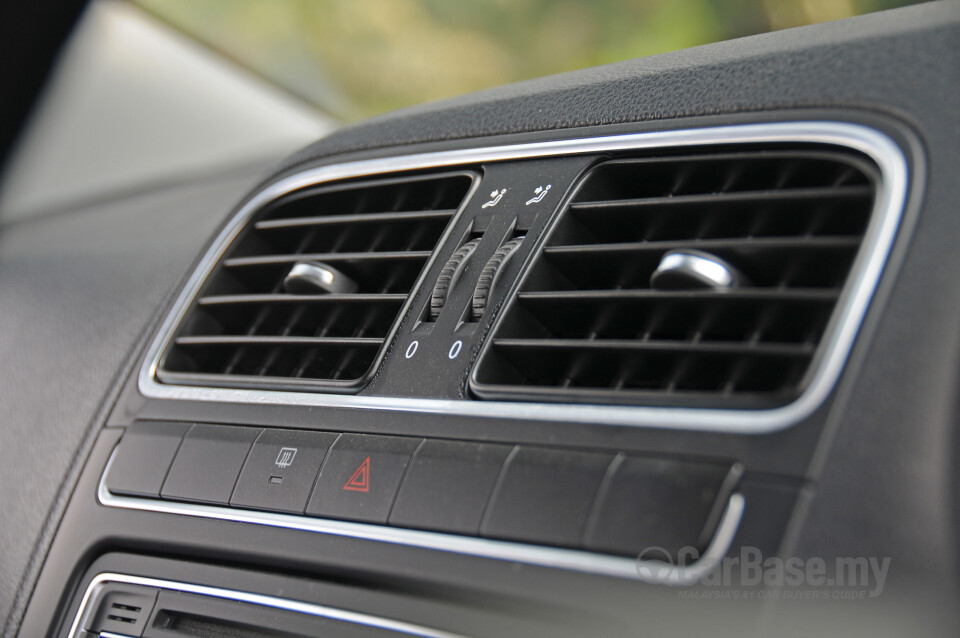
{"x":245,"y":330}
{"x":587,"y":326}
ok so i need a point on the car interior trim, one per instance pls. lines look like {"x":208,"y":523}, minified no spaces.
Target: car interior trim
{"x":651,"y":571}
{"x":310,"y":609}
{"x":888,"y":208}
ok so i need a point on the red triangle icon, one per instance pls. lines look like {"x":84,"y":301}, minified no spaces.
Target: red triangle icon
{"x":360,"y":479}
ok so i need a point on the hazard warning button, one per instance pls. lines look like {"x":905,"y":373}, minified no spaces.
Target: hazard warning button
{"x":360,"y":477}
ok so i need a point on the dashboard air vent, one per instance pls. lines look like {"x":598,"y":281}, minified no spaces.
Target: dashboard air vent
{"x":703,"y":280}
{"x":311,"y":289}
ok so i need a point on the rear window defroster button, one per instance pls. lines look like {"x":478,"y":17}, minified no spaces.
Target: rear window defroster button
{"x":280,"y":470}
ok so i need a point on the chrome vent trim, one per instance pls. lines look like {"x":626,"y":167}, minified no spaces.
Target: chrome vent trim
{"x":888,"y":208}
{"x":696,"y":279}
{"x":252,"y":327}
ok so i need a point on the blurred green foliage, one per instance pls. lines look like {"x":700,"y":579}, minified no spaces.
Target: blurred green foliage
{"x":356,"y":58}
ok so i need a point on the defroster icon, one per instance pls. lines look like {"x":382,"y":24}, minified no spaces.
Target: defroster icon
{"x":285,"y":457}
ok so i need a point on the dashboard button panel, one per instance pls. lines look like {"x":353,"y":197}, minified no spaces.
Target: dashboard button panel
{"x":545,"y":496}
{"x":610,"y":503}
{"x":208,"y":463}
{"x":280,"y":470}
{"x":447,"y":486}
{"x":652,"y":504}
{"x":144,"y":457}
{"x":361,"y":476}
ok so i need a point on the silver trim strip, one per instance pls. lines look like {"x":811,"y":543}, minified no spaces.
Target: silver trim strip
{"x":650,"y":571}
{"x":891,"y":195}
{"x":310,"y":609}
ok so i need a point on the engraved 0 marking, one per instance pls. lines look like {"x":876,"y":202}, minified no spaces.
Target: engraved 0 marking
{"x":455,"y":349}
{"x":412,"y":349}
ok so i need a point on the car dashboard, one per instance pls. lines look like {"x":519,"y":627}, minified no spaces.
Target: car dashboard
{"x":661,"y":347}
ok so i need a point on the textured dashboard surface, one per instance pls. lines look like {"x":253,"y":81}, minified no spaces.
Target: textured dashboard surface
{"x":886,"y":61}
{"x":77,"y":291}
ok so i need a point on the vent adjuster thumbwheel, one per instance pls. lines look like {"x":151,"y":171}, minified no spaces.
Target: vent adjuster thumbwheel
{"x":489,"y":275}
{"x":448,"y":277}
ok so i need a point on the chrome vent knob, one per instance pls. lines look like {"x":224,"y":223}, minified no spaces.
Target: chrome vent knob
{"x":688,"y":269}
{"x":314,"y":277}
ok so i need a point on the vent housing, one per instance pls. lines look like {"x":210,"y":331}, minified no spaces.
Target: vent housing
{"x":586,"y":325}
{"x":244,"y":330}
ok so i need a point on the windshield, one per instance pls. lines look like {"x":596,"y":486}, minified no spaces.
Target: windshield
{"x":356,"y":58}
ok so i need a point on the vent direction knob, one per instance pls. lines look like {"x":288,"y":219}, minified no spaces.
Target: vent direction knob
{"x":688,"y":269}
{"x":448,"y":277}
{"x":489,"y":276}
{"x":314,"y":277}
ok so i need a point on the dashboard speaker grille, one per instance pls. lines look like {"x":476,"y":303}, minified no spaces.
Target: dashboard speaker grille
{"x":249,"y":326}
{"x":591,"y":321}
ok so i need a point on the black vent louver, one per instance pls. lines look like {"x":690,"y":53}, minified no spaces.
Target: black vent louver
{"x":244,"y":330}
{"x":587,"y":325}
